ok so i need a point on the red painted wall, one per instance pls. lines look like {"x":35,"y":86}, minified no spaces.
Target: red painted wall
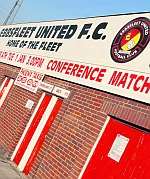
{"x":74,"y":130}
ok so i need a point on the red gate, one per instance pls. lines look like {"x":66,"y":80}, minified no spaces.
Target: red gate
{"x":121,"y":153}
{"x":35,"y":132}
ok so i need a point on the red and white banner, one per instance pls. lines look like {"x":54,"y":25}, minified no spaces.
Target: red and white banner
{"x":29,"y":80}
{"x":106,"y":53}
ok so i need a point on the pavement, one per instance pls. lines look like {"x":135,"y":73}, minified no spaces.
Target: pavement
{"x":8,"y":171}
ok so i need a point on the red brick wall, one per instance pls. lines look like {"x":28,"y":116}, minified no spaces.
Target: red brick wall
{"x":74,"y":130}
{"x":13,"y":114}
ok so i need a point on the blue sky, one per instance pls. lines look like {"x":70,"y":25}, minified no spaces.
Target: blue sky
{"x":44,"y":10}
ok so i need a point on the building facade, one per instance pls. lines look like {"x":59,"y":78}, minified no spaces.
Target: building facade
{"x":89,"y":115}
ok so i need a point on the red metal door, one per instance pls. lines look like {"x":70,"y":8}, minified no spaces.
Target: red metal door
{"x":121,"y":153}
{"x":35,"y":132}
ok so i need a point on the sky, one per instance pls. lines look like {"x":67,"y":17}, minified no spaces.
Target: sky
{"x":45,"y":10}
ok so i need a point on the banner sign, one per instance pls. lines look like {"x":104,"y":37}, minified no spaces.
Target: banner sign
{"x":46,"y":87}
{"x":29,"y":80}
{"x":61,"y":92}
{"x":106,"y":53}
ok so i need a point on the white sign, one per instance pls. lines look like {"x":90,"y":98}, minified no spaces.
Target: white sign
{"x":61,"y":92}
{"x":29,"y":80}
{"x":106,"y":53}
{"x":46,"y":87}
{"x":29,"y":104}
{"x":118,"y":147}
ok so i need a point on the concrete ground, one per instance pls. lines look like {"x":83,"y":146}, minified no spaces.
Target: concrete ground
{"x":8,"y":171}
